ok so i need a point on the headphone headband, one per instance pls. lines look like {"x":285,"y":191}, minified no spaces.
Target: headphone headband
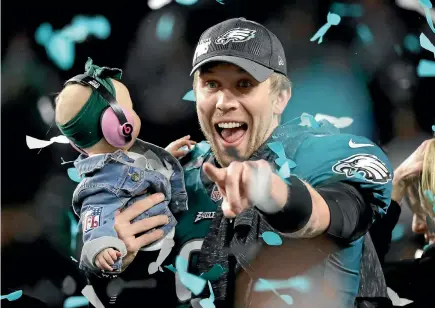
{"x":86,"y":80}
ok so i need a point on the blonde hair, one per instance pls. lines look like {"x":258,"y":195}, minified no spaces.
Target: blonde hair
{"x":427,"y":182}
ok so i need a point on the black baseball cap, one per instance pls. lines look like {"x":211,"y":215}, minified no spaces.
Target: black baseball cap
{"x":244,"y":43}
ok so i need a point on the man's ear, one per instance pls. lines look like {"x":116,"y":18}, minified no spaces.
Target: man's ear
{"x":281,"y":101}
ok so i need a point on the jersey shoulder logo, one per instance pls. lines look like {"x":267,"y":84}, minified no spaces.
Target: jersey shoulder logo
{"x":367,"y":166}
{"x":236,"y":35}
{"x":201,"y":215}
{"x":215,"y":195}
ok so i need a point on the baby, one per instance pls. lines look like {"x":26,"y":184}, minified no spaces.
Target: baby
{"x":95,"y":112}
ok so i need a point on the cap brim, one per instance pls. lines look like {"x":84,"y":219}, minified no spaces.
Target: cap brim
{"x":258,"y":71}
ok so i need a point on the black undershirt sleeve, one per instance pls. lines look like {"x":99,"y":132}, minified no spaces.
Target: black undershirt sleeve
{"x":351,"y":216}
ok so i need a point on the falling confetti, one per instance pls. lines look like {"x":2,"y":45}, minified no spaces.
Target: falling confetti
{"x":286,"y":298}
{"x":271,"y":238}
{"x":349,"y":10}
{"x":75,"y":302}
{"x":398,"y":232}
{"x":427,"y":5}
{"x":73,"y":174}
{"x":398,"y":49}
{"x":13,"y":296}
{"x":194,"y":283}
{"x":298,"y":283}
{"x":433,"y":128}
{"x":308,"y":120}
{"x":60,"y":44}
{"x":189,"y":96}
{"x":74,"y":230}
{"x":72,"y":258}
{"x":220,"y":2}
{"x":338,"y":122}
{"x":214,"y":273}
{"x":332,"y":20}
{"x":411,"y":43}
{"x":208,"y":302}
{"x":186,"y":2}
{"x":364,"y":34}
{"x":34,"y":143}
{"x":426,"y":44}
{"x":165,"y":250}
{"x":165,"y":26}
{"x":157,"y":4}
{"x":426,"y":68}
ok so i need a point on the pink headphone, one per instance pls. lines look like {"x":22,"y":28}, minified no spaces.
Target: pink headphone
{"x":116,"y":122}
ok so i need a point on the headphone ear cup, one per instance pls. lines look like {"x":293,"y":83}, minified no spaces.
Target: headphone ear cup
{"x":112,"y":129}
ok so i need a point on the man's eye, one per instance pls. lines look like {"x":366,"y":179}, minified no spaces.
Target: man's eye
{"x":245,"y":84}
{"x":211,"y":85}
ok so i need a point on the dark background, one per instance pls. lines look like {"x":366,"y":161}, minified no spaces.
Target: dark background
{"x":371,"y":82}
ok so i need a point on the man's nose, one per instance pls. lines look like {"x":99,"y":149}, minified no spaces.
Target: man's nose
{"x":226,"y":101}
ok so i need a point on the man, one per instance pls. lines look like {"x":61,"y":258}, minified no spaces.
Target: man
{"x":239,"y":185}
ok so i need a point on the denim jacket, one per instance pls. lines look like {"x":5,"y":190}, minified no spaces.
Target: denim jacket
{"x":115,"y":181}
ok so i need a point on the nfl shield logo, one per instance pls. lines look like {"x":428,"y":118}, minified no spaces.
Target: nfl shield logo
{"x":215,"y":194}
{"x":92,"y":219}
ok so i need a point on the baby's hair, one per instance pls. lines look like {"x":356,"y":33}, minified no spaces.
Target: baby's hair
{"x":70,"y":101}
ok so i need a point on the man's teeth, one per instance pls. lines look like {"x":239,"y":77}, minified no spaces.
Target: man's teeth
{"x":229,"y":125}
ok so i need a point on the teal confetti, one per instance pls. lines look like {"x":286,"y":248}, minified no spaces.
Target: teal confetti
{"x":189,"y":96}
{"x":433,"y":128}
{"x":284,"y":171}
{"x":398,"y":50}
{"x":281,"y":161}
{"x":349,"y":10}
{"x":73,"y":175}
{"x":308,"y":120}
{"x":277,"y":148}
{"x":426,"y":44}
{"x":213,"y":274}
{"x":186,"y":2}
{"x":287,"y":298}
{"x":13,"y":296}
{"x":208,"y":302}
{"x":426,"y":68}
{"x":427,"y":5}
{"x":74,"y":230}
{"x":43,"y":33}
{"x":164,"y":27}
{"x":364,"y":33}
{"x":171,"y":268}
{"x":398,"y":232}
{"x":75,"y":302}
{"x":60,"y":44}
{"x":411,"y":43}
{"x":271,"y":238}
{"x":74,"y":260}
{"x":425,"y":247}
{"x":220,"y":2}
{"x":194,"y":283}
{"x":298,"y":283}
{"x":332,"y":20}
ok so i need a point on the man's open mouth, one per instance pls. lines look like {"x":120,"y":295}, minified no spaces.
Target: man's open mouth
{"x":231,"y":132}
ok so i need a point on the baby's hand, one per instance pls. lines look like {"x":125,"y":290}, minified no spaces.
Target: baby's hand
{"x":174,"y":147}
{"x":106,"y":258}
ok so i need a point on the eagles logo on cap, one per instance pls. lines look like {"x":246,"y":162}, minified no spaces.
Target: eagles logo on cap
{"x":236,"y":35}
